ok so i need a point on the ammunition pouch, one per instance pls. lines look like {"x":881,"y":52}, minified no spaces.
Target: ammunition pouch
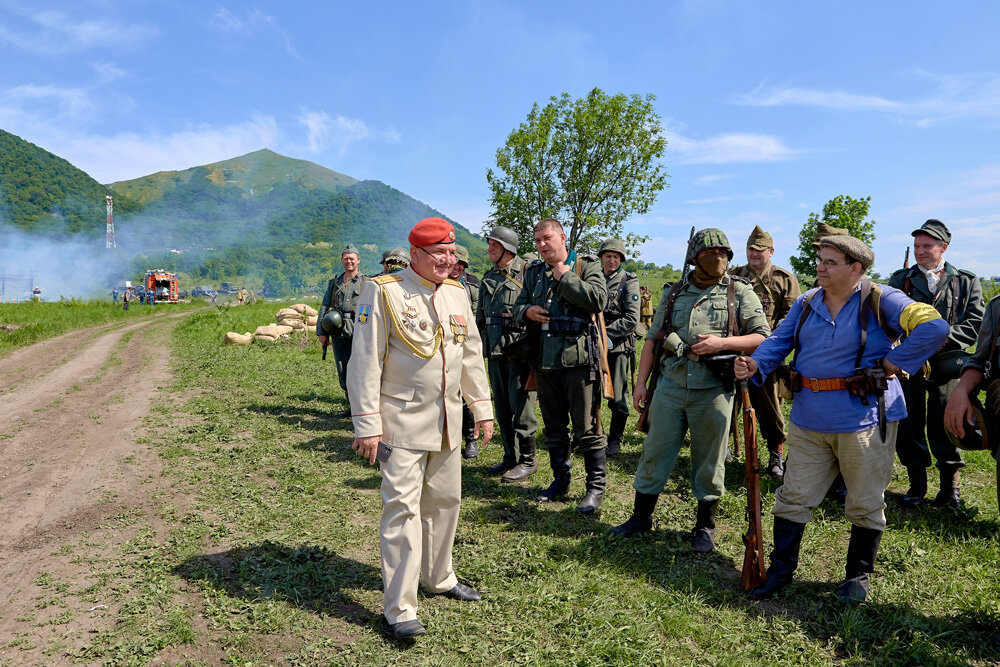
{"x":867,"y":381}
{"x":722,"y":366}
{"x":523,"y":347}
{"x":566,"y":325}
{"x":791,"y":378}
{"x":506,"y":322}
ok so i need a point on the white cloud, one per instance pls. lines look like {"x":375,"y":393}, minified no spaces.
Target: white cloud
{"x":727,"y":148}
{"x":325,"y":131}
{"x":54,"y":32}
{"x":74,"y":102}
{"x":952,"y":96}
{"x":711,"y":178}
{"x":249,"y":24}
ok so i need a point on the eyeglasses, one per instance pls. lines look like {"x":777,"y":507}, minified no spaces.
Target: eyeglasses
{"x":829,"y":262}
{"x":445,"y":256}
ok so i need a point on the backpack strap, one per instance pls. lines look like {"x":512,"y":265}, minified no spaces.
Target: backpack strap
{"x":731,"y":307}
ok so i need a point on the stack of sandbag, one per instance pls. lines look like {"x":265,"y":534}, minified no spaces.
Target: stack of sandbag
{"x":272,"y":332}
{"x":308,"y":313}
{"x":289,"y":317}
{"x":233,"y":338}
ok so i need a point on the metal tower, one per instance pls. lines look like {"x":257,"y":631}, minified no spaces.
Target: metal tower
{"x":110,"y":240}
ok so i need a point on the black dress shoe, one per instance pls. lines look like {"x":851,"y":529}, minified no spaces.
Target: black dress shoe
{"x":344,"y":415}
{"x":463,"y":593}
{"x":407,"y":629}
{"x":471,"y":449}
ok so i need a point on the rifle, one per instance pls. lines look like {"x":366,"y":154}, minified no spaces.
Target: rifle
{"x":906,"y":259}
{"x":754,"y":573}
{"x":326,"y":344}
{"x":734,"y":431}
{"x":642,"y":424}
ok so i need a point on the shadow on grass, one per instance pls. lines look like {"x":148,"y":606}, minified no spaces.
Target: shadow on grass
{"x":871,"y":633}
{"x":311,"y":577}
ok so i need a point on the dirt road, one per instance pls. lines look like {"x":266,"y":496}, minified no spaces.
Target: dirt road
{"x":71,"y":409}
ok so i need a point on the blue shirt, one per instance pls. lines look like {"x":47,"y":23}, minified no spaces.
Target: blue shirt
{"x":828,"y":348}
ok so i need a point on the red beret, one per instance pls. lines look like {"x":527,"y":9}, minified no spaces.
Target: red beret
{"x":431,"y":231}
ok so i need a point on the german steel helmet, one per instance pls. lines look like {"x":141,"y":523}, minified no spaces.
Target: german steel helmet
{"x":461,"y":254}
{"x":505,"y":236}
{"x":980,"y":435}
{"x":948,"y":366}
{"x":333,"y":321}
{"x":400,"y":256}
{"x":613,"y":245}
{"x":706,"y":239}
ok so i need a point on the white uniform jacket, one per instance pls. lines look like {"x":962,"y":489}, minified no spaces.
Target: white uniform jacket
{"x":416,"y":353}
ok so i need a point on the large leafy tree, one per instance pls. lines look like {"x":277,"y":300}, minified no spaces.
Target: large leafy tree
{"x":842,"y":211}
{"x":590,"y":162}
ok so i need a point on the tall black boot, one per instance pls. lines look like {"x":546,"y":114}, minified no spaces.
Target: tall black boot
{"x":471,"y":448}
{"x":616,"y":432}
{"x":949,"y":495}
{"x":704,"y":527}
{"x":914,"y":496}
{"x":861,"y":554}
{"x":641,"y":520}
{"x":595,"y":463}
{"x":559,"y":460}
{"x":526,"y":467}
{"x":784,"y":557}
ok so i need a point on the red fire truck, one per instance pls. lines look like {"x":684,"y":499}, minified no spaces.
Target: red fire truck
{"x":163,"y":284}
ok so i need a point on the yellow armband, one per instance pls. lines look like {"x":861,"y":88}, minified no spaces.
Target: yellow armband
{"x":916,"y":314}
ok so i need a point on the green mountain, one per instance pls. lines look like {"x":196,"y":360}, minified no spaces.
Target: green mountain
{"x":259,"y":219}
{"x":253,"y":174}
{"x":43,"y":193}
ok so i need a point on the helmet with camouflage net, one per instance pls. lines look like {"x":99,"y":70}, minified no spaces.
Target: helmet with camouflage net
{"x":505,"y":236}
{"x":706,"y":239}
{"x":613,"y":245}
{"x":400,"y":256}
{"x":461,"y":254}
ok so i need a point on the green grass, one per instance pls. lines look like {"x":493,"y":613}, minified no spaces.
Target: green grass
{"x":276,"y":561}
{"x":23,"y":324}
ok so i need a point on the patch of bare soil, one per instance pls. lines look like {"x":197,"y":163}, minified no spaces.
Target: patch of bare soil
{"x":71,"y":410}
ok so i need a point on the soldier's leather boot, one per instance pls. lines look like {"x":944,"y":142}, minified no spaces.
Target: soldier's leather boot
{"x":949,"y":495}
{"x":595,"y":463}
{"x":526,"y":467}
{"x":861,"y":554}
{"x":616,"y":433}
{"x":704,"y":527}
{"x":641,"y":520}
{"x":784,"y":558}
{"x":914,"y":496}
{"x":775,"y":466}
{"x":559,"y":460}
{"x":471,"y":449}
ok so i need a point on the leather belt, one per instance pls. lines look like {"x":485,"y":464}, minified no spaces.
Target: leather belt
{"x":503,"y":320}
{"x":349,"y":314}
{"x":824,"y":384}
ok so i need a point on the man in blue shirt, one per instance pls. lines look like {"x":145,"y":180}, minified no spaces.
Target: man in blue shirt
{"x":839,"y":422}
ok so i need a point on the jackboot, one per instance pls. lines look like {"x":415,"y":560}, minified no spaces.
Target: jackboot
{"x":559,"y":460}
{"x":526,"y":467}
{"x":775,"y":466}
{"x":471,"y":449}
{"x":704,"y":526}
{"x":616,"y":433}
{"x":784,"y":557}
{"x":949,"y":495}
{"x":641,"y":520}
{"x":595,"y":463}
{"x":861,"y":554}
{"x":914,"y":496}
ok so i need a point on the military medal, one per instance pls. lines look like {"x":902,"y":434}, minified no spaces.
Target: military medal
{"x":423,"y":325}
{"x":459,"y":328}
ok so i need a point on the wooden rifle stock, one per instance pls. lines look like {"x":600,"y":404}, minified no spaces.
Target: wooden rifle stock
{"x":754,"y":573}
{"x":642,"y":424}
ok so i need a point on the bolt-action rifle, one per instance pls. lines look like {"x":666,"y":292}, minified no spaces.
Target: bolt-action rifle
{"x":906,"y":258}
{"x":654,"y":372}
{"x":754,"y":573}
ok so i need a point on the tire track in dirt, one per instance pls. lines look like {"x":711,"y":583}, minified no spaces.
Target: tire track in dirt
{"x":70,"y":456}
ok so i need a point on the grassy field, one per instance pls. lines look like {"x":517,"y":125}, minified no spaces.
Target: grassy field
{"x":275,"y":561}
{"x":27,"y":323}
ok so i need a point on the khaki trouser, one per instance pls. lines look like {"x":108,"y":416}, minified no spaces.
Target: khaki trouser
{"x":421,"y":492}
{"x":814,"y":459}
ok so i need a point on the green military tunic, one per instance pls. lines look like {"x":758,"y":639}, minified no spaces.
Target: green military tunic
{"x":689,"y":396}
{"x":621,"y":317}
{"x":513,"y":405}
{"x":777,"y":289}
{"x":959,"y":300}
{"x":568,"y":384}
{"x":343,"y":295}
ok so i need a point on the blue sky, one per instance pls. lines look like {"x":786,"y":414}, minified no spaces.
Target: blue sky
{"x":770,"y":109}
